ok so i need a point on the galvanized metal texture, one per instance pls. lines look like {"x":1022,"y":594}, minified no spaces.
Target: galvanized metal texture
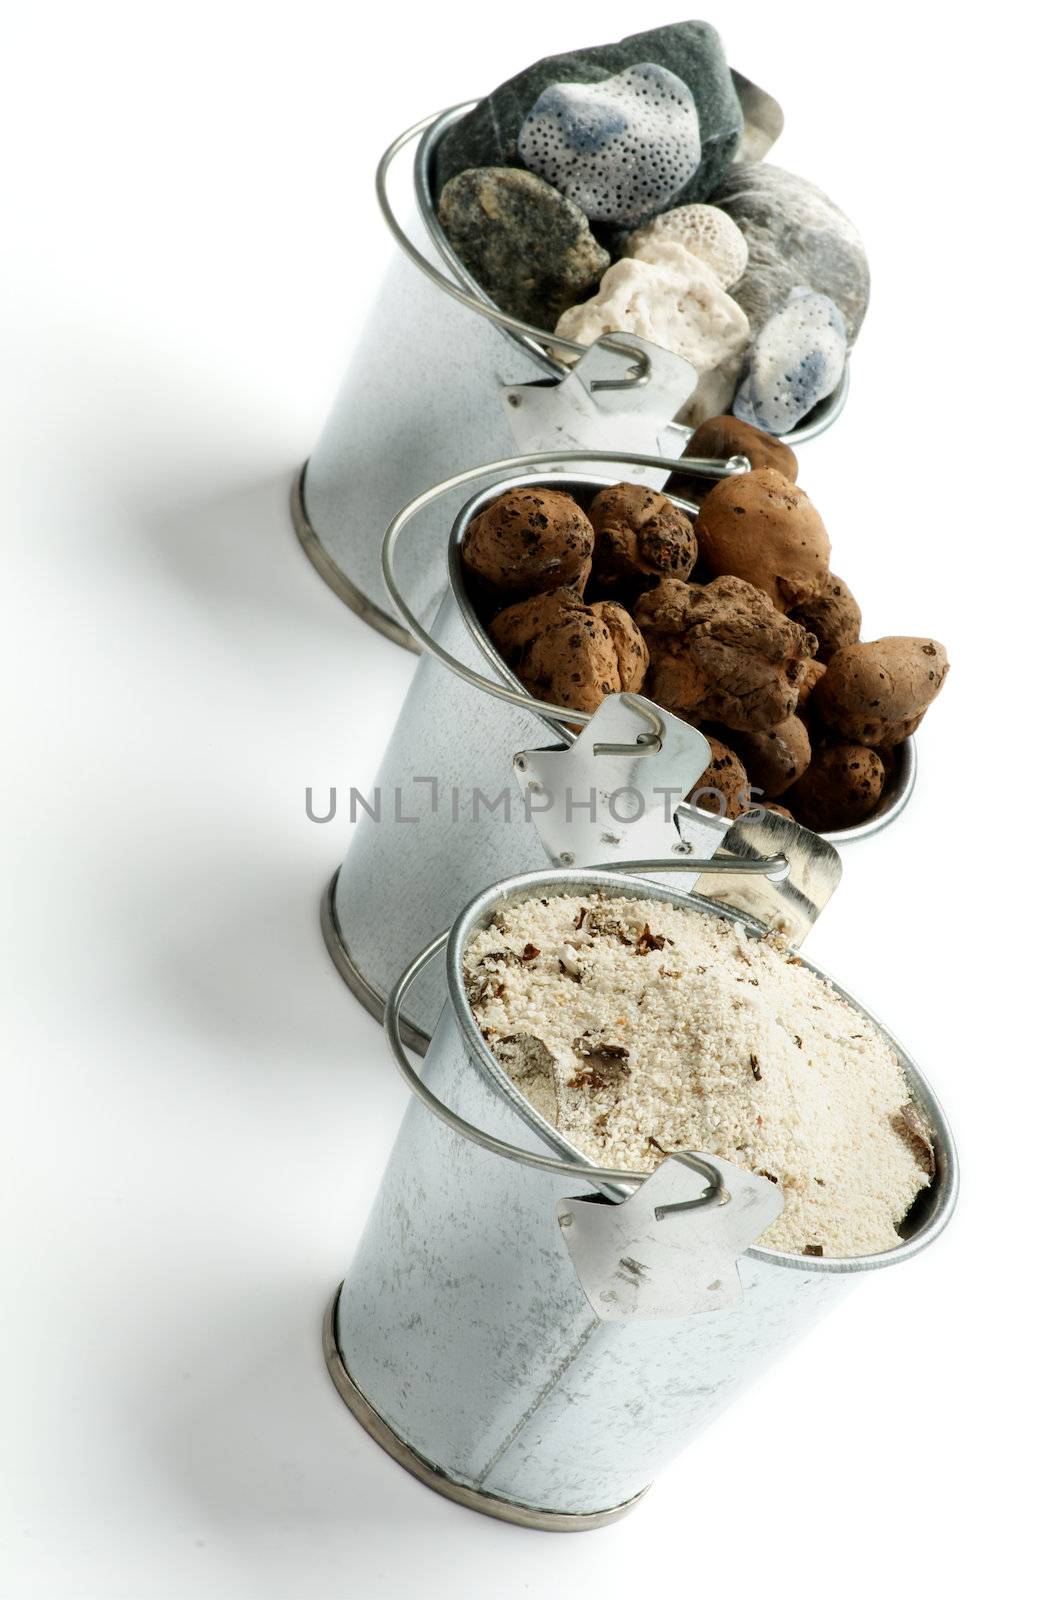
{"x":671,"y":1249}
{"x":463,"y":1322}
{"x":338,"y":581}
{"x":490,"y":1505}
{"x":590,"y":407}
{"x":402,"y":882}
{"x":763,"y":118}
{"x":784,"y":906}
{"x":365,"y":992}
{"x":411,"y":411}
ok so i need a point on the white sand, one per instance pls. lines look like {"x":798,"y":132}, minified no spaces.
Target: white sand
{"x":711,"y":1040}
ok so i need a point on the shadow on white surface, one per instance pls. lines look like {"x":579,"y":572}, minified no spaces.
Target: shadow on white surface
{"x":256,"y":1439}
{"x":237,"y":549}
{"x":240,"y":960}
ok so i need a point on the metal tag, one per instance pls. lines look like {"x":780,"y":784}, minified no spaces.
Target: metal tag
{"x":613,"y":794}
{"x":595,"y":407}
{"x":763,"y":118}
{"x":789,"y":907}
{"x":670,"y":1249}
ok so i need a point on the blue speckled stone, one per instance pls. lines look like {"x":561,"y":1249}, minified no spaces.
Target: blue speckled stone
{"x":797,"y":361}
{"x":619,"y":149}
{"x":488,"y":136}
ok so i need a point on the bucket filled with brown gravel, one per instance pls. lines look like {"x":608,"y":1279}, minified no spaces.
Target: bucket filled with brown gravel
{"x":652,"y":1143}
{"x":566,"y":590}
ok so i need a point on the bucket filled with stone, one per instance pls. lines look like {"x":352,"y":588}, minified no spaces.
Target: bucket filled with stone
{"x":570,"y":595}
{"x":651,"y":1144}
{"x":599,"y":256}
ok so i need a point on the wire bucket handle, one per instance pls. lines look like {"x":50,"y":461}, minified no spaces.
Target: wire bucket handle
{"x":693,"y":466}
{"x":640,"y":361}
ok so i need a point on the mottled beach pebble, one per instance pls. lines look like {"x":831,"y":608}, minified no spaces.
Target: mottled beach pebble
{"x":762,"y":528}
{"x":529,"y":541}
{"x":720,"y":437}
{"x":487,"y":136}
{"x":706,"y":231}
{"x":619,"y":149}
{"x":877,"y":693}
{"x":797,"y":360}
{"x":569,"y":653}
{"x":527,"y":246}
{"x":720,"y":652}
{"x":639,"y":537}
{"x":723,"y":788}
{"x":833,"y":615}
{"x":671,"y":298}
{"x":776,"y":757}
{"x":796,"y":235}
{"x":839,"y":789}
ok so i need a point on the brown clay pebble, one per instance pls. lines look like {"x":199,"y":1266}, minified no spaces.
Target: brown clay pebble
{"x":529,"y":541}
{"x":568,"y":653}
{"x":639,"y":536}
{"x":842,"y":786}
{"x":780,"y":811}
{"x":720,"y":652}
{"x":722,"y":437}
{"x":723,"y":787}
{"x":832,"y":615}
{"x":632,"y":656}
{"x":762,"y":528}
{"x":814,"y":670}
{"x":878,"y":693}
{"x":777,"y":757}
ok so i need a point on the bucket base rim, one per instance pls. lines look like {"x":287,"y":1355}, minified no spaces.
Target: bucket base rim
{"x":488,"y":1505}
{"x":366,"y":993}
{"x":337,"y":579}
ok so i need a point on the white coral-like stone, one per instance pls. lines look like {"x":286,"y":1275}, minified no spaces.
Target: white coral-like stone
{"x":619,"y":149}
{"x":706,"y":231}
{"x":670,"y":297}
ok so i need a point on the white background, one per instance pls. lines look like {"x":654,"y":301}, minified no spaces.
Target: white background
{"x":196,"y":1110}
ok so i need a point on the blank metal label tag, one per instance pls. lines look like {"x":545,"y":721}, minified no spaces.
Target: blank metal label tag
{"x":670,"y":1249}
{"x":613,"y":794}
{"x":580,"y":412}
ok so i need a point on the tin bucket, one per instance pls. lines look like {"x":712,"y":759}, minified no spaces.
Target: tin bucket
{"x":431,"y":390}
{"x":426,"y":843}
{"x":463,"y":1337}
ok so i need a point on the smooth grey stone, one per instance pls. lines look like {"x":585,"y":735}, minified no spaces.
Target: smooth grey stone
{"x":528,"y":247}
{"x":796,"y":235}
{"x":487,"y":137}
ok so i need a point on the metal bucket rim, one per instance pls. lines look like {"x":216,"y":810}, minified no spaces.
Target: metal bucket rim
{"x":943,"y":1187}
{"x":823,"y":414}
{"x":904,"y":753}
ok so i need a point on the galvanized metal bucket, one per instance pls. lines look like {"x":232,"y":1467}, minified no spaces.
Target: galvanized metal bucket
{"x":463,"y":1337}
{"x":432,"y":389}
{"x":424,"y":844}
